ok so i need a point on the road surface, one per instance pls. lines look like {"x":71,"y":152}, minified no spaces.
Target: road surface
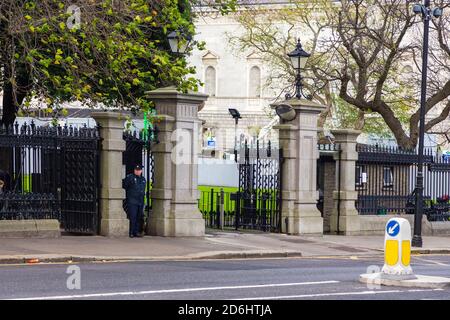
{"x":294,"y":278}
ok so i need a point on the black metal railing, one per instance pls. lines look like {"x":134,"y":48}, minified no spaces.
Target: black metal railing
{"x":258,"y":200}
{"x":385,"y":181}
{"x":16,"y":206}
{"x":332,"y":147}
{"x":256,"y":204}
{"x":210,"y":206}
{"x":51,"y":171}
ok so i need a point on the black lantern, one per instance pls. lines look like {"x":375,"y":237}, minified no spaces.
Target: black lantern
{"x":179,"y":42}
{"x":298,"y":57}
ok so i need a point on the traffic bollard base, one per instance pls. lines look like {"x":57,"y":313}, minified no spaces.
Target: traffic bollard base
{"x":420,"y":281}
{"x":389,"y":276}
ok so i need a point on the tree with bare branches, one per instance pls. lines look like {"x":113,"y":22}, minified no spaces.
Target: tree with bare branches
{"x":365,"y":60}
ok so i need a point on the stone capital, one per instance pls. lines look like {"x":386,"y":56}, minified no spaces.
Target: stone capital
{"x":345,"y":135}
{"x":172,"y":94}
{"x":285,"y":127}
{"x":301,"y":106}
{"x":109,"y":119}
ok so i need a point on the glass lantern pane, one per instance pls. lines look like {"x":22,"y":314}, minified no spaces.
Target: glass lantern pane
{"x":295,"y":62}
{"x":173,"y":42}
{"x":303,"y":61}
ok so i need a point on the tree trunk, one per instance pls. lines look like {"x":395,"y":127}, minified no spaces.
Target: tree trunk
{"x":13,"y":100}
{"x":9,"y":108}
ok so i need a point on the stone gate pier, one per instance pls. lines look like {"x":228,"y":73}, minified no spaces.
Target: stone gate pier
{"x":175,"y":191}
{"x":298,"y":139}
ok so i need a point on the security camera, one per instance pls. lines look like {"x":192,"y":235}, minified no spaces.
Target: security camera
{"x":417,"y":9}
{"x":437,"y":12}
{"x":285,"y":112}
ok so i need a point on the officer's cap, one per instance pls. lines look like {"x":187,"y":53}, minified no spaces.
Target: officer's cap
{"x":138,"y":167}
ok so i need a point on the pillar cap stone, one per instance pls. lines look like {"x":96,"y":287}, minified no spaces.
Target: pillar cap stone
{"x":108,"y":115}
{"x":285,"y":126}
{"x":301,"y":105}
{"x":345,"y":134}
{"x":172,"y":93}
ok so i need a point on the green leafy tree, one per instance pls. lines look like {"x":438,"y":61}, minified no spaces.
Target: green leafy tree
{"x":100,"y":52}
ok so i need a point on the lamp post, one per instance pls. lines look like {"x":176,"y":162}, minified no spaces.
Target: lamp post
{"x":299,"y":57}
{"x":427,"y":14}
{"x":236,"y":116}
{"x":179,"y":44}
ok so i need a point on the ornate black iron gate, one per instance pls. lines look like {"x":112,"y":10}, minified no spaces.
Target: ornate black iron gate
{"x":258,"y":203}
{"x":79,"y":153}
{"x":51,"y":173}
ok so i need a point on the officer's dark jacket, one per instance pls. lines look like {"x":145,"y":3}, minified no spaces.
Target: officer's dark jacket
{"x":135,"y":188}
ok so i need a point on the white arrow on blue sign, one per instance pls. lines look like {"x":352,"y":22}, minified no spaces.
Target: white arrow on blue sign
{"x":393,"y":228}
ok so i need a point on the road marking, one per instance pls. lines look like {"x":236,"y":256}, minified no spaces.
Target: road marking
{"x":316,"y":295}
{"x":130,"y":293}
{"x":433,"y":262}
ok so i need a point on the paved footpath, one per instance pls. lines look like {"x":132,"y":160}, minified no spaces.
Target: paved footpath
{"x":267,"y":279}
{"x":215,"y":245}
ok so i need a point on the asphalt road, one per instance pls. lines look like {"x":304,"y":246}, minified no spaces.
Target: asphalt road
{"x":294,"y":278}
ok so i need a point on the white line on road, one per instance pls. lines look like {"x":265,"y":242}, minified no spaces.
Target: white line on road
{"x":131,"y":293}
{"x":316,"y":295}
{"x":433,"y":262}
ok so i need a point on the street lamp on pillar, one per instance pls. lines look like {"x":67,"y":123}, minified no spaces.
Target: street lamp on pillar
{"x":427,"y":14}
{"x":236,"y":116}
{"x":299,"y":57}
{"x":179,"y":42}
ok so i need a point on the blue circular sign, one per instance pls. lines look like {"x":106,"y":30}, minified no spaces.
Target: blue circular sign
{"x":393,"y":228}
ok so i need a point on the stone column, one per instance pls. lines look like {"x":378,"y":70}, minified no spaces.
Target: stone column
{"x":345,"y":214}
{"x":298,"y":138}
{"x":175,"y":191}
{"x":113,"y":218}
{"x":288,"y":142}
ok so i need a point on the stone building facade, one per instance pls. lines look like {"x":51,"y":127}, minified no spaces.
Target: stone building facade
{"x":232,"y":80}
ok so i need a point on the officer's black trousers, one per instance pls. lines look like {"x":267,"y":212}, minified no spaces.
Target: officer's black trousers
{"x":135,"y":213}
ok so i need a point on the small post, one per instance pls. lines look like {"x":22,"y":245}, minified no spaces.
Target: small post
{"x":221,"y":208}
{"x":211,"y":208}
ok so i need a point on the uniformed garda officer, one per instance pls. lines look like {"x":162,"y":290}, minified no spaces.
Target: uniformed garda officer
{"x":134,"y":184}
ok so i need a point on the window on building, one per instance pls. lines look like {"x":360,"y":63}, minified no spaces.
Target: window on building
{"x":360,"y":176}
{"x":255,"y":82}
{"x":388,"y":177}
{"x":210,"y":81}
